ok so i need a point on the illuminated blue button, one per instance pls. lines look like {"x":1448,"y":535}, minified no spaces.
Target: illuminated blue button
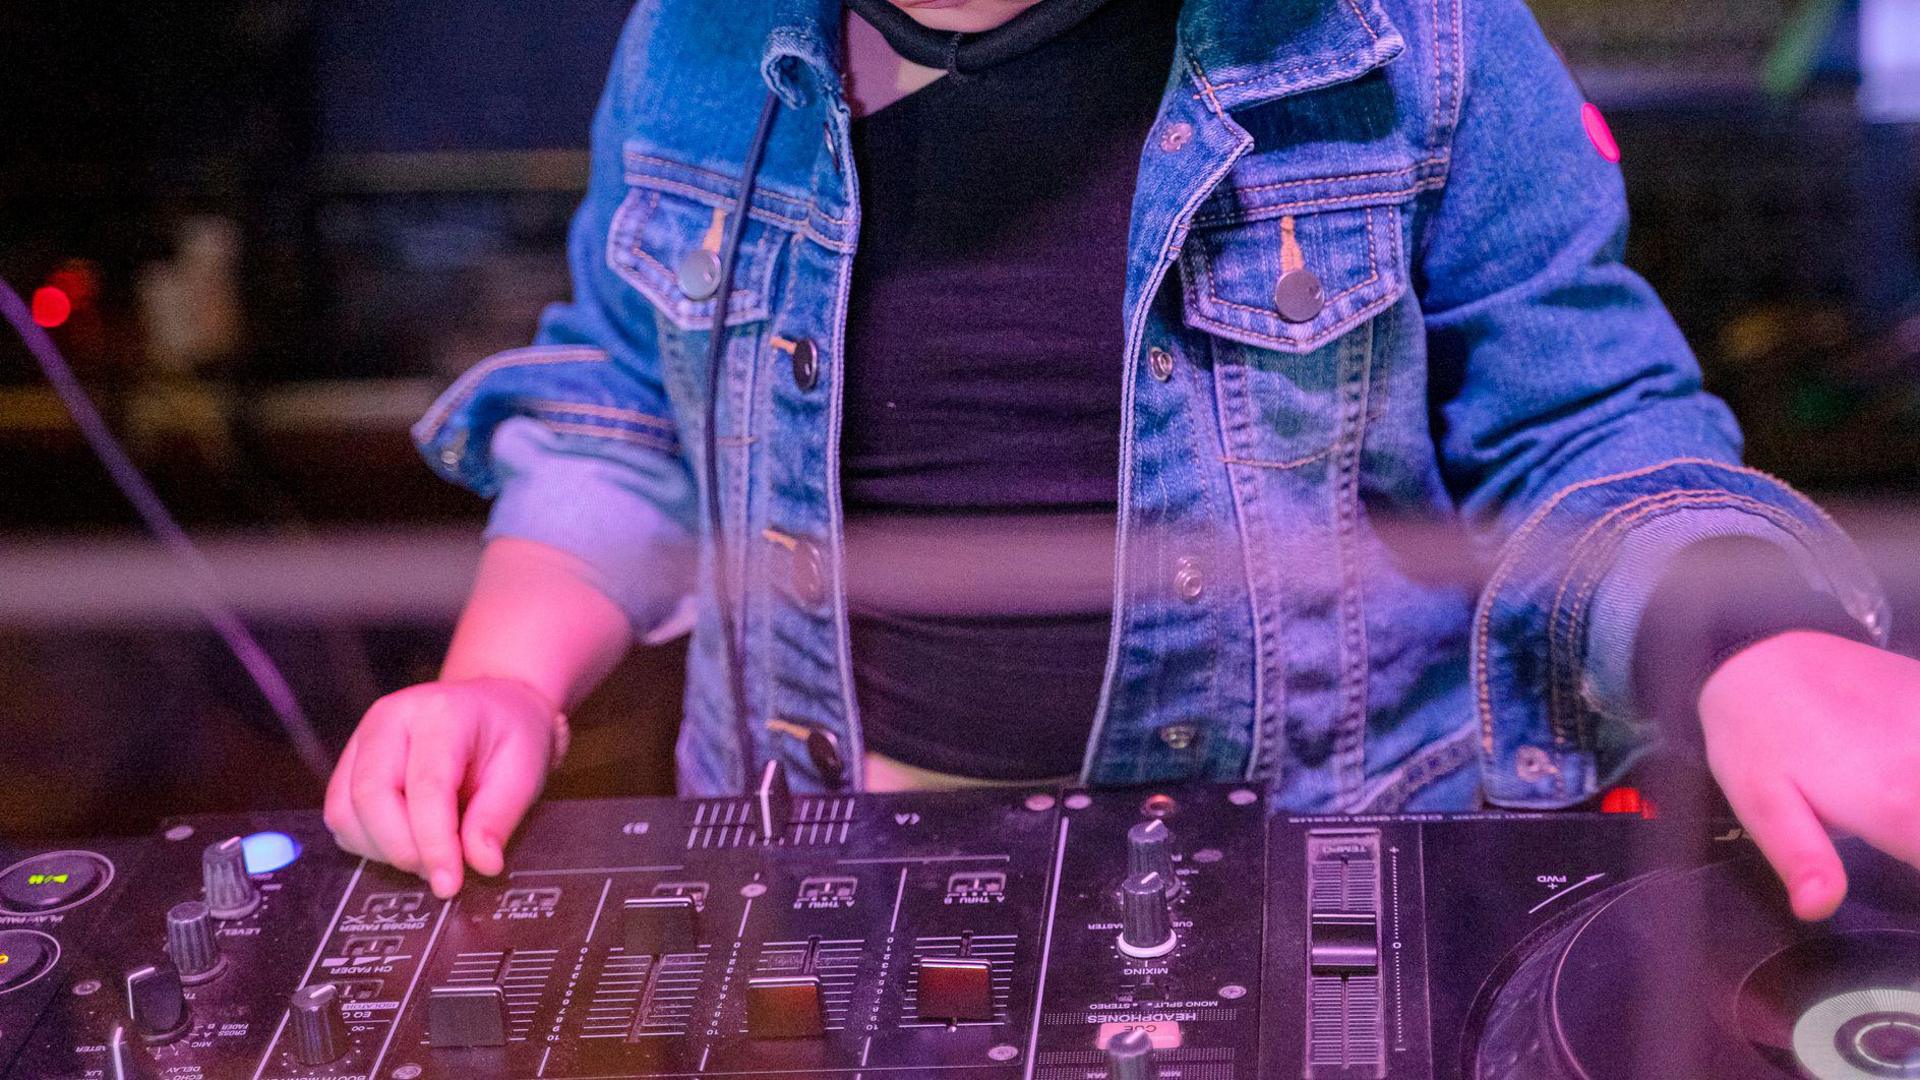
{"x":269,"y":851}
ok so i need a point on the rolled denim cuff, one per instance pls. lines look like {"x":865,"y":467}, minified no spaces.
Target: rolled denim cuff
{"x":1553,"y":640}
{"x":1620,"y":614}
{"x":597,"y":503}
{"x":1715,"y":598}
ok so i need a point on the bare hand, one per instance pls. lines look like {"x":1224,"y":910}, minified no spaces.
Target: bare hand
{"x":1808,"y":732}
{"x":420,"y":753}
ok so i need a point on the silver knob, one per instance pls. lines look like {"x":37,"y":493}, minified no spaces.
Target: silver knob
{"x":191,"y":942}
{"x":1147,"y":925}
{"x":319,"y":1031}
{"x":1130,"y":1056}
{"x":223,"y":873}
{"x":1150,"y":850}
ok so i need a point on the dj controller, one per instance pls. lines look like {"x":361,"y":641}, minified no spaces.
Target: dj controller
{"x":1184,"y":932}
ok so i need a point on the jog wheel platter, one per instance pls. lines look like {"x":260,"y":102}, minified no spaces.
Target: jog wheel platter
{"x":1703,"y":972}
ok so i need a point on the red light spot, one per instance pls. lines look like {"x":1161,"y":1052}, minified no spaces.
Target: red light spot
{"x":51,"y":307}
{"x":79,"y":279}
{"x":1626,"y":800}
{"x":1599,"y":133}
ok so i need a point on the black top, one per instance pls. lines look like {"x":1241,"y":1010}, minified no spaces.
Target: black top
{"x":984,"y":353}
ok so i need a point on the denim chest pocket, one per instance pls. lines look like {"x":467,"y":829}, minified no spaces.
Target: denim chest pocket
{"x":1282,"y":277}
{"x":1291,"y":279}
{"x":666,"y":242}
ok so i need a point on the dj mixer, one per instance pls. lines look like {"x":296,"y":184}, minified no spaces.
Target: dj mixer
{"x":1184,"y":932}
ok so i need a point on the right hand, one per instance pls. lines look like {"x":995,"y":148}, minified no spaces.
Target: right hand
{"x":420,"y":753}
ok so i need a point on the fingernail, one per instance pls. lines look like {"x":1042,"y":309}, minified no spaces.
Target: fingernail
{"x":443,"y":883}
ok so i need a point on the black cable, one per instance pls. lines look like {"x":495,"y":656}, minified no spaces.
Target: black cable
{"x":961,"y":54}
{"x":716,"y":360}
{"x":205,"y":592}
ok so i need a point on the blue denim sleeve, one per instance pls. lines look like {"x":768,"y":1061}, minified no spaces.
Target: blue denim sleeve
{"x":1572,"y":427}
{"x":574,"y":437}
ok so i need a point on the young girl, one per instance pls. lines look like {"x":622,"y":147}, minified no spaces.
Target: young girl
{"x":1076,"y":365}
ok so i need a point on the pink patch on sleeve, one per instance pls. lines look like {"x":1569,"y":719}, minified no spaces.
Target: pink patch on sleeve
{"x":1599,"y":133}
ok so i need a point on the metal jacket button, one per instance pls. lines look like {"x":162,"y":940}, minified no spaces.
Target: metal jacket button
{"x":1298,"y":297}
{"x":1532,"y":764}
{"x":823,"y":748}
{"x":1179,"y":736}
{"x":1175,"y":136}
{"x":699,"y":274}
{"x":806,"y":364}
{"x":1187,"y":580}
{"x":809,"y":574}
{"x":1160,"y":363}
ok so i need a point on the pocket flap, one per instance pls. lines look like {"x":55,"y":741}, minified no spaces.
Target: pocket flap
{"x":666,"y":240}
{"x":1293,"y":282}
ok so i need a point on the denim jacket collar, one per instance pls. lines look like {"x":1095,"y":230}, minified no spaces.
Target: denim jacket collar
{"x":1242,"y":51}
{"x":802,"y":57}
{"x":1248,"y":51}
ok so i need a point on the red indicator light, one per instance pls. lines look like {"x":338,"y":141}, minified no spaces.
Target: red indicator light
{"x":1626,"y":800}
{"x":1599,"y":133}
{"x":51,"y":307}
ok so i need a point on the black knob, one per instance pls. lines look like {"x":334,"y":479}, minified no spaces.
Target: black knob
{"x":126,"y":1059}
{"x":223,"y":874}
{"x":319,"y":1031}
{"x":156,"y":1003}
{"x":1130,"y":1056}
{"x":1147,"y":925}
{"x":191,"y":942}
{"x":1150,"y":850}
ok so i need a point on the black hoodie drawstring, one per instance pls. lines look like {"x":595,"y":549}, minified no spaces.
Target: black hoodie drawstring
{"x":716,"y":359}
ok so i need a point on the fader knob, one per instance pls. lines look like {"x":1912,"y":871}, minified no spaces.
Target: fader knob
{"x":773,"y":802}
{"x":1147,"y":927}
{"x":191,"y":942}
{"x":1150,"y":849}
{"x":319,"y":1031}
{"x":126,"y":1060}
{"x":459,"y":1016}
{"x":1130,"y":1056}
{"x":785,"y":1007}
{"x":223,"y":874}
{"x":156,"y":1003}
{"x":657,"y":925}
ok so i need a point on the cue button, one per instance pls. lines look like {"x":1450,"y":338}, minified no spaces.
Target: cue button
{"x":49,"y":882}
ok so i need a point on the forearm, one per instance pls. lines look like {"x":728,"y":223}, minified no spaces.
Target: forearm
{"x":534,"y":617}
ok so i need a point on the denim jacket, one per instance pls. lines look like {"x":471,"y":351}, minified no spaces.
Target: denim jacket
{"x":1475,"y":356}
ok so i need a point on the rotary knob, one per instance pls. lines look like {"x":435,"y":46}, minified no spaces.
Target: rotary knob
{"x":319,"y":1030}
{"x":1130,"y":1056}
{"x":156,"y":1003}
{"x":191,"y":942}
{"x":1150,"y":850}
{"x":1147,"y":926}
{"x":229,"y":891}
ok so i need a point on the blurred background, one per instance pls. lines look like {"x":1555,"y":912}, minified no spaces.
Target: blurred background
{"x":266,"y":232}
